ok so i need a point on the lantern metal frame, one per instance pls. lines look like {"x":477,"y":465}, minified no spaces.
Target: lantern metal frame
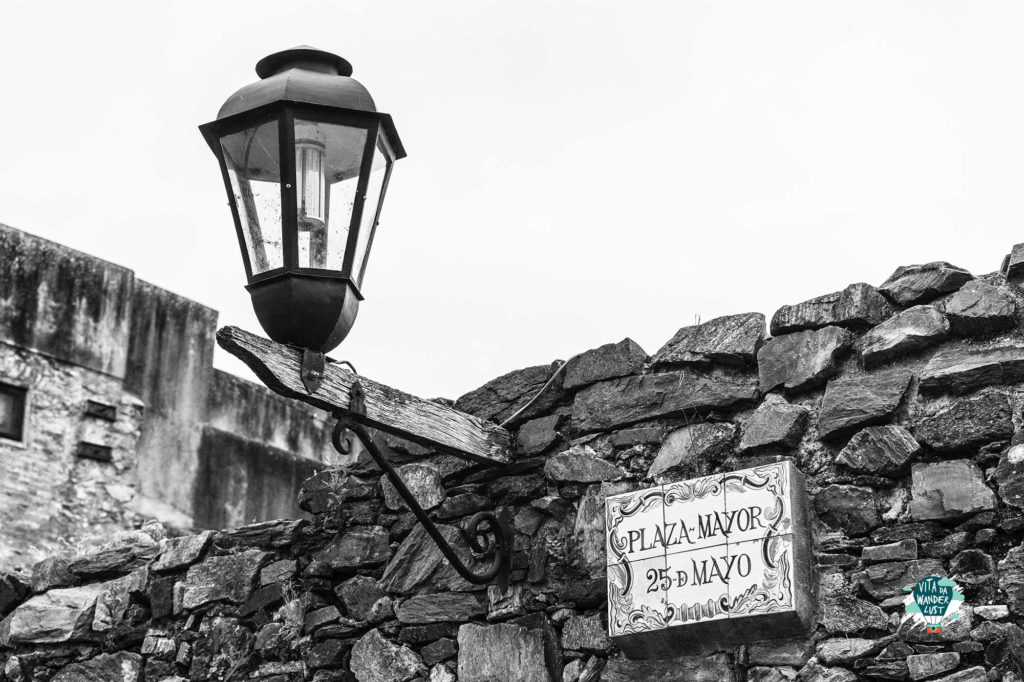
{"x":378,"y":127}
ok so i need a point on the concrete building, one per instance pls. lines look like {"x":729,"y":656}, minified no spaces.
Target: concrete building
{"x":112,"y":413}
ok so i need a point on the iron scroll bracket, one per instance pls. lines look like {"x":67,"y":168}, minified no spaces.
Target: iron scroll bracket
{"x":488,"y":534}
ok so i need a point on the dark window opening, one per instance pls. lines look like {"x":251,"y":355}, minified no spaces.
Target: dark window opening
{"x":12,"y":411}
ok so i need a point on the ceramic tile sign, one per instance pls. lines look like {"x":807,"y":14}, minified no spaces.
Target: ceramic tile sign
{"x":709,"y":562}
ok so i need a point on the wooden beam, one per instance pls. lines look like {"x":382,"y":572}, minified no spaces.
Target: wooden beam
{"x":387,"y":409}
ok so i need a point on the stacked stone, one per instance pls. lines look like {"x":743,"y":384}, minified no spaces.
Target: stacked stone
{"x":901,"y":405}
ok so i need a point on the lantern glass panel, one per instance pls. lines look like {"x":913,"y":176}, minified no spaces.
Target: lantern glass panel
{"x":374,"y":189}
{"x":327,"y":160}
{"x":253,"y":162}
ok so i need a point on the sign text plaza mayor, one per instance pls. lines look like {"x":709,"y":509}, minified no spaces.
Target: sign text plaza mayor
{"x":709,"y":561}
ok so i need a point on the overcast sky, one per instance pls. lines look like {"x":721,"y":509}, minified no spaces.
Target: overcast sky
{"x":578,"y":172}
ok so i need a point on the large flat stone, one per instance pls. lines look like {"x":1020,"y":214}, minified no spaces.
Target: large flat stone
{"x":375,"y":659}
{"x":728,"y":340}
{"x":879,"y":450}
{"x":60,"y":615}
{"x":847,"y":507}
{"x":948,"y":490}
{"x":774,"y":424}
{"x":907,"y":332}
{"x":857,"y":306}
{"x":135,"y":549}
{"x":692,"y":450}
{"x":801,"y":361}
{"x":222,"y":578}
{"x":537,"y":435}
{"x":501,"y":652}
{"x":1011,"y":579}
{"x":357,"y":547}
{"x":923,"y":666}
{"x":581,"y":465}
{"x":182,"y":552}
{"x":956,"y":369}
{"x":968,"y":422}
{"x":846,"y":650}
{"x":418,"y":566}
{"x":979,"y":309}
{"x":422,"y":480}
{"x":861,"y":401}
{"x":606,"y":362}
{"x":122,"y":666}
{"x":440,"y":607}
{"x":588,"y":532}
{"x":852,"y":616}
{"x":888,"y":579}
{"x":911,"y":284}
{"x":815,"y":672}
{"x":276,"y":534}
{"x":620,"y":402}
{"x":716,"y":668}
{"x":500,"y":398}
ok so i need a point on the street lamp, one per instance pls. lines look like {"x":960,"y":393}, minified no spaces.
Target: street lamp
{"x":305,"y":157}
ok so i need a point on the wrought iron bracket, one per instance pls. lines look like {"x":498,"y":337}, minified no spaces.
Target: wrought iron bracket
{"x":313,"y":365}
{"x":488,"y":535}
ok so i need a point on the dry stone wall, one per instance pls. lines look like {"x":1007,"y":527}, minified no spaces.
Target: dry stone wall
{"x":901,"y":404}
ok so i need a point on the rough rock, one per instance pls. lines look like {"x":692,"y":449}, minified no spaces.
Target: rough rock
{"x":971,"y":565}
{"x":886,"y":580}
{"x":714,"y":668}
{"x":585,"y":634}
{"x":879,"y":450}
{"x":847,"y":507}
{"x":801,"y":361}
{"x":911,"y":284}
{"x":500,"y":398}
{"x":728,"y":340}
{"x":759,"y":673}
{"x":857,"y":306}
{"x":907,"y":332}
{"x":775,"y":423}
{"x":979,"y":309}
{"x":418,"y":565}
{"x":422,"y":480}
{"x":229,"y":577}
{"x":968,"y":422}
{"x":922,"y":666}
{"x":539,"y":622}
{"x":957,"y":370}
{"x":852,"y":616}
{"x":1013,"y":266}
{"x":133,"y":550}
{"x":815,"y":672}
{"x":947,"y":546}
{"x":537,"y":435}
{"x":1011,"y":579}
{"x":975,"y":674}
{"x":441,"y":607}
{"x":992,"y":611}
{"x":948,"y":490}
{"x":492,"y":652}
{"x":278,"y":571}
{"x":904,"y":550}
{"x":588,"y":533}
{"x":358,"y":595}
{"x":12,"y":592}
{"x":443,"y":649}
{"x":182,"y":552}
{"x":122,"y":666}
{"x":60,"y":615}
{"x":375,"y":659}
{"x":607,"y":362}
{"x":580,"y":465}
{"x":1009,"y":476}
{"x":357,"y":547}
{"x":861,"y":401}
{"x":692,"y":450}
{"x":846,"y":650}
{"x":275,"y":534}
{"x":779,"y":652}
{"x":619,"y":402}
{"x":52,"y":572}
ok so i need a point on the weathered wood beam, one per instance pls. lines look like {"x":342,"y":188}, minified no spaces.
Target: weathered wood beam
{"x":387,"y":409}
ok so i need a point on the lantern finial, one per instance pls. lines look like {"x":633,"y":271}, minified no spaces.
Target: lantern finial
{"x":303,"y":57}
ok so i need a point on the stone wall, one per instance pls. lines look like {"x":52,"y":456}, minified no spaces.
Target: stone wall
{"x":901,"y":405}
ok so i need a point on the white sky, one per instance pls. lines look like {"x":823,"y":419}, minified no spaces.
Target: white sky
{"x":578,"y":172}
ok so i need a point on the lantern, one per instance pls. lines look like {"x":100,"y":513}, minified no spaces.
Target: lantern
{"x":305,"y":157}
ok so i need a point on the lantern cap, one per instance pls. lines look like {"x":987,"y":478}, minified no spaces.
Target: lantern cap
{"x":301,"y":74}
{"x":303,"y":57}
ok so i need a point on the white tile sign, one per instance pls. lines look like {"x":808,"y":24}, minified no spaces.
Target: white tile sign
{"x":708,"y":560}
